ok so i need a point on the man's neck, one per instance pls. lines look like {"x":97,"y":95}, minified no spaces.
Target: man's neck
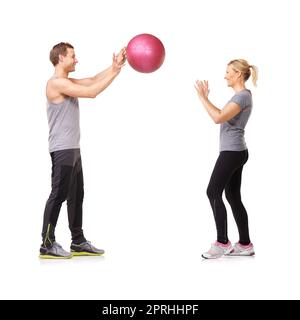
{"x":61,"y":73}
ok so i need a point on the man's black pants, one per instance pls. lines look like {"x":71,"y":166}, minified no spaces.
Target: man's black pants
{"x":67,"y":184}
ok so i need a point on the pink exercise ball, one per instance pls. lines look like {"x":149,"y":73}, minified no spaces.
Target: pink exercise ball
{"x":145,"y":53}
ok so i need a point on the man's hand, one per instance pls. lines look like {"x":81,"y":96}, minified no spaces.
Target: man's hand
{"x":119,"y":60}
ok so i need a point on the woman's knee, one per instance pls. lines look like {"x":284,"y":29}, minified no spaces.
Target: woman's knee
{"x":212,"y":192}
{"x":232,"y":196}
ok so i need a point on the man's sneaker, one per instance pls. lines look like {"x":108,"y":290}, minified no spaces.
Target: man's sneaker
{"x":242,"y":250}
{"x":218,"y":250}
{"x":54,"y":252}
{"x":85,"y":249}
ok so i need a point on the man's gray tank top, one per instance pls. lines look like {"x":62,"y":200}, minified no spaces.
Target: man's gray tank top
{"x":232,"y":132}
{"x":63,"y":120}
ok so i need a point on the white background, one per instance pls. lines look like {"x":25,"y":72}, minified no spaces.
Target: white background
{"x":148,"y":149}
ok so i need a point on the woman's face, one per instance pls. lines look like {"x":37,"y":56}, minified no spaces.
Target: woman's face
{"x":231,"y":76}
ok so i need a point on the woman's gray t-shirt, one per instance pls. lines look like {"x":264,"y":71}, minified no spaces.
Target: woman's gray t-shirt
{"x":232,"y":132}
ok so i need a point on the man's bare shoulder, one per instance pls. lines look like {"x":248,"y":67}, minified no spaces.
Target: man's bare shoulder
{"x":54,"y":87}
{"x":57,"y":82}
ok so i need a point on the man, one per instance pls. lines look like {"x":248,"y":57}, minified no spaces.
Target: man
{"x":64,"y":134}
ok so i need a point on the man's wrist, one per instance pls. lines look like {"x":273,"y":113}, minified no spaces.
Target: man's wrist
{"x":115,"y":70}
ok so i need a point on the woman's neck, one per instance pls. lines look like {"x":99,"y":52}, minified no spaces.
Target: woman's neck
{"x":238,"y":87}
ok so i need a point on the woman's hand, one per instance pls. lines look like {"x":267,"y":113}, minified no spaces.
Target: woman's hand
{"x":202,"y":89}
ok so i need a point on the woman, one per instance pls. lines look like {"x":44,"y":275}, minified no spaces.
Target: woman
{"x":227,"y":173}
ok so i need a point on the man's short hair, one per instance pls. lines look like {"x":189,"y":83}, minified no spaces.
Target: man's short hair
{"x":60,"y":48}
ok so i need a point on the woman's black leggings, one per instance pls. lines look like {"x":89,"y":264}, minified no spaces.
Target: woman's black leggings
{"x":227,"y":175}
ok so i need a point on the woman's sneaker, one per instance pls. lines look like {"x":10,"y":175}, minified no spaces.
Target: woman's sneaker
{"x":55,"y":251}
{"x":218,"y":250}
{"x":242,"y":250}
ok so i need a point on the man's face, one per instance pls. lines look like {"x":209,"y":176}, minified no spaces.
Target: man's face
{"x":69,"y":61}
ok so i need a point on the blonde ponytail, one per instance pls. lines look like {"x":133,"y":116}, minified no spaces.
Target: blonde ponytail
{"x":254,"y":74}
